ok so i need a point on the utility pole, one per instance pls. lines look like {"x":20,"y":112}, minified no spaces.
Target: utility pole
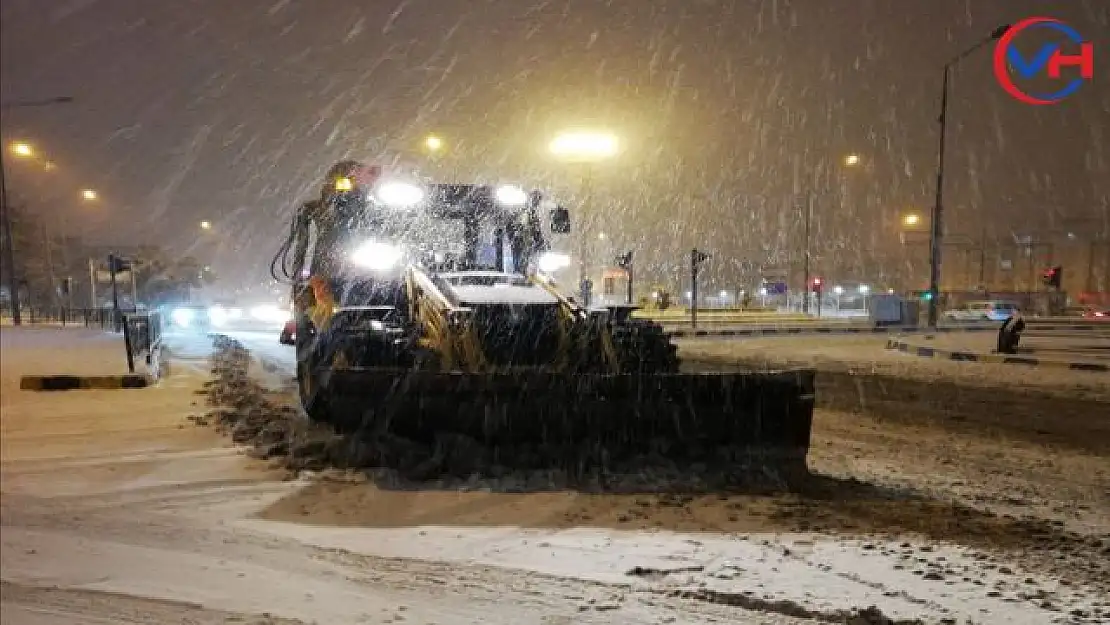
{"x":134,"y":288}
{"x":92,"y":285}
{"x":936,"y":233}
{"x":936,"y":229}
{"x":696,"y":259}
{"x":585,"y":285}
{"x":113,"y":263}
{"x":5,"y":210}
{"x":9,"y":248}
{"x":1090,"y":285}
{"x":47,"y":242}
{"x":806,"y":257}
{"x":624,"y":261}
{"x":983,"y":259}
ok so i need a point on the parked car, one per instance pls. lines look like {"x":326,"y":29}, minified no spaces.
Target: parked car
{"x":985,"y":310}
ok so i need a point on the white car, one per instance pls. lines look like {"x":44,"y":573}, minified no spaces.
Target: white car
{"x":986,"y":310}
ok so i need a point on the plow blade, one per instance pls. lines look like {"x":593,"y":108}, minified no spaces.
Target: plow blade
{"x":543,"y":419}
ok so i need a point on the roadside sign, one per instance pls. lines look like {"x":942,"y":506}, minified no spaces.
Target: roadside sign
{"x":775,"y":288}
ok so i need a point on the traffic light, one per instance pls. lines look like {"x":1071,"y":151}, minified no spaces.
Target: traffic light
{"x":624,"y":261}
{"x":117,"y":264}
{"x":1053,"y":277}
{"x":815,"y":285}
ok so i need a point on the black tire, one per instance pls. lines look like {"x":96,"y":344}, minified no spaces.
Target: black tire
{"x":312,"y":364}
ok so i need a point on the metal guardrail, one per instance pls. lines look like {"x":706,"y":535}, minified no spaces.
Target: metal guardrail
{"x":87,"y":317}
{"x":142,"y":338}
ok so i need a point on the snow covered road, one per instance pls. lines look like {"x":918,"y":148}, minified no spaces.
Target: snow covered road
{"x":116,"y":508}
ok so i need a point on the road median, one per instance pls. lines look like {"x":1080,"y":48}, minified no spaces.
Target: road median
{"x":925,"y":351}
{"x":65,"y":359}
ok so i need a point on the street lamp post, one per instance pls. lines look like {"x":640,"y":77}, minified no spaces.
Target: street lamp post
{"x":586,"y":148}
{"x":850,"y":160}
{"x":5,"y":212}
{"x":936,"y":233}
{"x":9,"y":251}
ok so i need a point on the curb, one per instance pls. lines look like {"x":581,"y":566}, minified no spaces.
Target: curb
{"x":83,"y":382}
{"x":944,"y":354}
{"x":795,"y":330}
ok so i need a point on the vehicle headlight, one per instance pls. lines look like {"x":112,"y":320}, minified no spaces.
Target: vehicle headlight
{"x":400,"y":194}
{"x":269,"y":313}
{"x":377,"y":256}
{"x":550,"y":262}
{"x":182,"y":316}
{"x":217,"y":315}
{"x":510,"y":195}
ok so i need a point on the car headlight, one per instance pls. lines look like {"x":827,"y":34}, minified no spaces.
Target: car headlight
{"x":269,"y":313}
{"x":400,"y":194}
{"x":377,"y":256}
{"x":550,"y":262}
{"x":510,"y":195}
{"x":182,"y":316}
{"x":218,"y":315}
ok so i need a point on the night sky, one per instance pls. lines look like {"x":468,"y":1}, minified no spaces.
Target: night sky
{"x":728,"y":110}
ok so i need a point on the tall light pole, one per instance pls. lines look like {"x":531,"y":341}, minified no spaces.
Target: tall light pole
{"x":585,"y":148}
{"x":5,"y":213}
{"x":849,"y":161}
{"x":936,"y":233}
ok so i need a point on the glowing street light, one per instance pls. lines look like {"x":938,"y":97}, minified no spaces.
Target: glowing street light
{"x":584,"y":146}
{"x":89,"y":195}
{"x":433,"y":143}
{"x":851,"y":160}
{"x":205,"y":225}
{"x":911,"y":219}
{"x":23,"y":150}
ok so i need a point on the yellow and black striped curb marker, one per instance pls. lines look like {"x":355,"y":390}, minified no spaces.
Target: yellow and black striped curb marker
{"x":944,"y":354}
{"x":84,"y":382}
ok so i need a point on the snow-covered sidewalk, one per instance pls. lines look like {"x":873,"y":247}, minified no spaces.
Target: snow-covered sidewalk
{"x":58,"y":350}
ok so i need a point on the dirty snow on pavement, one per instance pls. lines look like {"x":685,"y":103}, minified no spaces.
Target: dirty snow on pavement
{"x":799,"y":574}
{"x":116,"y":508}
{"x":766,"y":565}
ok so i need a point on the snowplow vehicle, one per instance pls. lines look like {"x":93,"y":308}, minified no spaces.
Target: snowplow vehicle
{"x":422,"y":312}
